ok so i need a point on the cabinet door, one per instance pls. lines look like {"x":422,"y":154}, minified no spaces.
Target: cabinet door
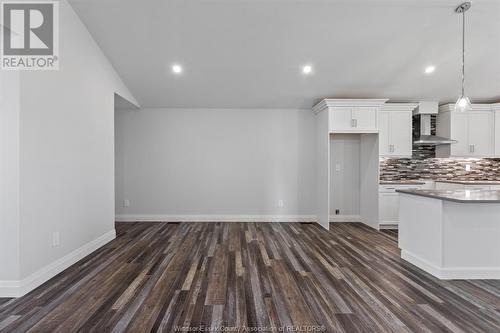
{"x":477,"y":187}
{"x":365,"y":118}
{"x":401,"y":133}
{"x":449,"y":186}
{"x":389,"y":208}
{"x":459,"y":132}
{"x":383,"y":133}
{"x":480,"y":133}
{"x":341,"y":119}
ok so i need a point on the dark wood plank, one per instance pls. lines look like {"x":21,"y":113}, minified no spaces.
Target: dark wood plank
{"x":159,"y":277}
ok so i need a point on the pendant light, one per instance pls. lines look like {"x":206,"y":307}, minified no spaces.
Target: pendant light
{"x":463,"y":102}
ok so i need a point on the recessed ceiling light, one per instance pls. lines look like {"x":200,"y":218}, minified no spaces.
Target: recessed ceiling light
{"x":430,"y":69}
{"x":177,"y":69}
{"x":307,"y":69}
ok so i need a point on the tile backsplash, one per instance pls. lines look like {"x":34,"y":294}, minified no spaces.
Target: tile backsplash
{"x":439,"y":169}
{"x":424,"y":165}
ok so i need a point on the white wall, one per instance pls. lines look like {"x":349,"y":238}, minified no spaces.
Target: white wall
{"x":66,"y":142}
{"x":345,"y":174}
{"x":9,"y":176}
{"x":176,"y":163}
{"x":322,"y":166}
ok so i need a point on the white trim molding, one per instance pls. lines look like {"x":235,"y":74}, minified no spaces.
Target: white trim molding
{"x":452,"y":273}
{"x":24,"y":286}
{"x":475,"y":107}
{"x":399,"y":107}
{"x":333,"y":103}
{"x":345,"y":218}
{"x":214,"y":218}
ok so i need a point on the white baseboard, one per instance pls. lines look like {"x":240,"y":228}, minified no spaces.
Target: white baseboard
{"x":24,"y":286}
{"x":214,"y":218}
{"x":345,"y":218}
{"x":10,"y":288}
{"x":452,"y":273}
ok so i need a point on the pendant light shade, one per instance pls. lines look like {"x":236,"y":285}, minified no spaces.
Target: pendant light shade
{"x":463,"y":103}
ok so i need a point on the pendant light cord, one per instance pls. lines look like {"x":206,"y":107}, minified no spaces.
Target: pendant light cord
{"x":463,"y":53}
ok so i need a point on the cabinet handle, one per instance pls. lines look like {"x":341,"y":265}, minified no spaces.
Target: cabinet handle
{"x":473,"y":148}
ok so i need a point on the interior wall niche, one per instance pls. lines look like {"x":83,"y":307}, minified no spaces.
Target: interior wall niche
{"x":354,"y":178}
{"x":345,"y":176}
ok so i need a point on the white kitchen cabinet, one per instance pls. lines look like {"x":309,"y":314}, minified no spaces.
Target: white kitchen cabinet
{"x":448,"y":186}
{"x":388,"y":208}
{"x":389,"y":204}
{"x":474,"y":131}
{"x":480,"y":133}
{"x":365,"y":118}
{"x":470,"y":187}
{"x":395,"y":130}
{"x":341,"y":118}
{"x":353,"y":119}
{"x":347,"y":116}
{"x":384,"y":140}
{"x":351,"y":116}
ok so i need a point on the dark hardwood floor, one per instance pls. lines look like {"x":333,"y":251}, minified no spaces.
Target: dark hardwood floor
{"x":158,"y":276}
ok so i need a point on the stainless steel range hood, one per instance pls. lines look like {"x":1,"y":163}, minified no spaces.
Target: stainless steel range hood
{"x":425,"y":110}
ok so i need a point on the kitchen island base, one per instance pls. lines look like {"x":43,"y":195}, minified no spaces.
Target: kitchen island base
{"x":450,"y":239}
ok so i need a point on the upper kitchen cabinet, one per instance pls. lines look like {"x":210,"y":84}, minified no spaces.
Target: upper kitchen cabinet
{"x":351,"y":115}
{"x":474,"y":131}
{"x":395,"y":130}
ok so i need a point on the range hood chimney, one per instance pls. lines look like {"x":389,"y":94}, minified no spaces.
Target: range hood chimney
{"x":425,"y":110}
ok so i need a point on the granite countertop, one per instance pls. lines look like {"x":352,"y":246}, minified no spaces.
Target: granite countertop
{"x":401,"y":182}
{"x":462,"y":196}
{"x":471,"y":182}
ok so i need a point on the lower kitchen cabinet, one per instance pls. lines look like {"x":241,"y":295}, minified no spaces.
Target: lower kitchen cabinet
{"x":388,"y":209}
{"x":471,"y":187}
{"x":388,"y":204}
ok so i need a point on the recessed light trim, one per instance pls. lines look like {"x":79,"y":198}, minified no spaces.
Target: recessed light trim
{"x":176,"y":69}
{"x":307,"y":69}
{"x":430,"y":69}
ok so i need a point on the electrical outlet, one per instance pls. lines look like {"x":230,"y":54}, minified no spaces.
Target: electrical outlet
{"x":126,"y":203}
{"x":56,"y":239}
{"x":337,"y":167}
{"x":337,"y":211}
{"x":281,"y":203}
{"x":467,"y":167}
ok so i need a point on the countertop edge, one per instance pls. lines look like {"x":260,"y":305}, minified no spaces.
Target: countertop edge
{"x":470,"y":182}
{"x":437,"y":197}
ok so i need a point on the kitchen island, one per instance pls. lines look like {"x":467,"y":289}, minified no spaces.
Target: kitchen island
{"x":451,"y":234}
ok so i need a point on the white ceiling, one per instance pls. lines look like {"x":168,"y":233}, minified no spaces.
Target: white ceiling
{"x":249,"y":53}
